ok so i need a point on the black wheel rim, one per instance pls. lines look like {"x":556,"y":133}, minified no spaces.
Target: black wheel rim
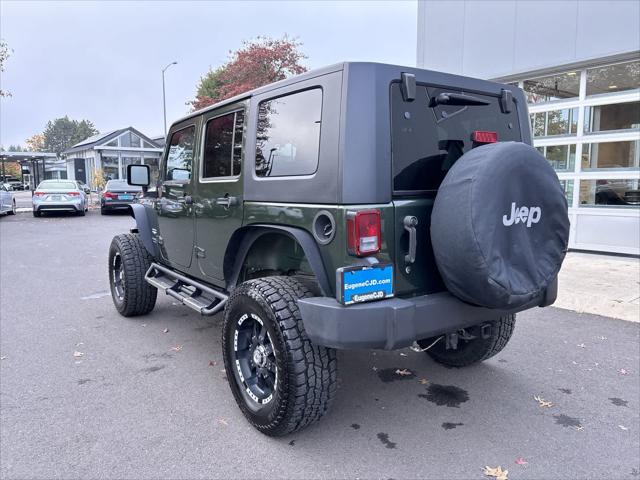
{"x":117,"y":276}
{"x":255,"y":359}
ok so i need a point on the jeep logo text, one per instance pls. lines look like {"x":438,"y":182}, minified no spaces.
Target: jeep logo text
{"x":528,"y":215}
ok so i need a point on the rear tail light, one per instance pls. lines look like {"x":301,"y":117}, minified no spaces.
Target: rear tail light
{"x":39,"y":194}
{"x":73,"y":194}
{"x":109,"y":195}
{"x":363,"y":232}
{"x":480,"y":136}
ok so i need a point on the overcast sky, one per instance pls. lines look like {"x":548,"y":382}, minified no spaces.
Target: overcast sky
{"x":102,"y":60}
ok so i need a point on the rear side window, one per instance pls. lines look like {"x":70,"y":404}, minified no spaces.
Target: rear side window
{"x":288,"y":134}
{"x":426,"y":141}
{"x":223,"y":146}
{"x":180,"y":156}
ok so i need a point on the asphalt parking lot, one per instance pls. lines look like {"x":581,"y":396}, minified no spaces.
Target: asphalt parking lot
{"x":85,"y":393}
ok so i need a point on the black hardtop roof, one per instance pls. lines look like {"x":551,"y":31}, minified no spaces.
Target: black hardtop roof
{"x":374,"y":68}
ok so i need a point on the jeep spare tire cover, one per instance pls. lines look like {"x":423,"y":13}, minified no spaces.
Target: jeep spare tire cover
{"x":500,"y":226}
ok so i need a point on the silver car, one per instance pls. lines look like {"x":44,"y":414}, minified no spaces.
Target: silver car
{"x":7,"y":202}
{"x":59,"y":196}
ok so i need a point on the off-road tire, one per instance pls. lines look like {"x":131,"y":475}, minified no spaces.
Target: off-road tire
{"x":306,"y":379}
{"x":133,"y":296}
{"x":476,"y":350}
{"x":13,"y":208}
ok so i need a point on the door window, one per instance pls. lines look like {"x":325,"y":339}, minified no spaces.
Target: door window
{"x":180,"y":156}
{"x":223,"y":146}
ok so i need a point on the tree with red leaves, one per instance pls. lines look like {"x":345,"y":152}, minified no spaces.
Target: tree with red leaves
{"x":257,"y":63}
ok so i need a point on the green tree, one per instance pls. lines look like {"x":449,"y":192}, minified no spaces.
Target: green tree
{"x":63,"y":133}
{"x":5,"y":53}
{"x":15,"y":148}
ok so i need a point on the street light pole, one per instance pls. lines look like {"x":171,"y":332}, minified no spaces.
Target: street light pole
{"x":164,"y":102}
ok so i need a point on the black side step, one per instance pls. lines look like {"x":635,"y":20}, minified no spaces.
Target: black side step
{"x":191,"y":293}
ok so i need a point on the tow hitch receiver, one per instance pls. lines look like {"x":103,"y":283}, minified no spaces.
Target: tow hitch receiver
{"x":451,"y":339}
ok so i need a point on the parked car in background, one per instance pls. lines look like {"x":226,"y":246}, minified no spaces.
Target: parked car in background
{"x":16,"y":184}
{"x":59,"y":196}
{"x":83,"y":186}
{"x":118,"y":195}
{"x":7,"y":202}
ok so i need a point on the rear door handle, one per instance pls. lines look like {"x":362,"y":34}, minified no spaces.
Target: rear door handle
{"x":227,"y":201}
{"x":410,"y":223}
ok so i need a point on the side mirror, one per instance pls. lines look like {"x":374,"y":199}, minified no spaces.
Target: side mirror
{"x":138,"y":175}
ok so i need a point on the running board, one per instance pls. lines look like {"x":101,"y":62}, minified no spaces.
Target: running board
{"x":191,"y":293}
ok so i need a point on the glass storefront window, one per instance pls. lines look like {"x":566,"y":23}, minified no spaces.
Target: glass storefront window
{"x":561,"y":157}
{"x":553,"y":87}
{"x":128,"y":161}
{"x":613,"y":78}
{"x":555,"y":122}
{"x":618,"y":116}
{"x":611,"y":155}
{"x":110,"y":168}
{"x":610,"y":193}
{"x":567,"y":187}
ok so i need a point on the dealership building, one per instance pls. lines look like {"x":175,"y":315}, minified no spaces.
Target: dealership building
{"x":579,"y":65}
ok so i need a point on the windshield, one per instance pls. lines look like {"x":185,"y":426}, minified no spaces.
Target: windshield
{"x":57,"y":186}
{"x":121,"y":185}
{"x":426,"y":141}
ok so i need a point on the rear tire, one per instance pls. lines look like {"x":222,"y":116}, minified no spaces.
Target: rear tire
{"x":13,"y":208}
{"x":103,"y":211}
{"x":128,"y":264}
{"x":81,"y":213}
{"x":290,"y":383}
{"x":476,"y":350}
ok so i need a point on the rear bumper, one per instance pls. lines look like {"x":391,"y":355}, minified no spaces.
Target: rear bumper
{"x":118,"y":204}
{"x":396,"y":323}
{"x":58,"y":207}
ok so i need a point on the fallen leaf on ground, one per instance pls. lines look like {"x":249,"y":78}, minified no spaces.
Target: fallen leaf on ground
{"x":623,"y":427}
{"x":622,"y":371}
{"x":520,"y":461}
{"x":579,"y":428}
{"x":166,"y":330}
{"x":403,"y":373}
{"x":496,"y":472}
{"x":3,"y":358}
{"x":423,"y":381}
{"x":581,"y":345}
{"x":212,"y":363}
{"x":79,"y":343}
{"x":177,"y":348}
{"x":223,"y":421}
{"x":78,"y":354}
{"x":543,"y":402}
{"x":403,"y":354}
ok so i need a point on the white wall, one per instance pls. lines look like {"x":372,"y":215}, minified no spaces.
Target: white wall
{"x":492,"y":39}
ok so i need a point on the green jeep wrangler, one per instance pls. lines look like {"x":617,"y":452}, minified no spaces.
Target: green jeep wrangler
{"x":357,"y":206}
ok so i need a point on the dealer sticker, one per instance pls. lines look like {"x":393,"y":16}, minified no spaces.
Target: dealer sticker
{"x":364,"y":283}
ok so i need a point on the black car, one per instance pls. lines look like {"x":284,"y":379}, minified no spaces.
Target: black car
{"x":118,"y":195}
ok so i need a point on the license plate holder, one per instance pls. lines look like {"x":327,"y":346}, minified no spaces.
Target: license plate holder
{"x":359,"y":284}
{"x":125,"y":197}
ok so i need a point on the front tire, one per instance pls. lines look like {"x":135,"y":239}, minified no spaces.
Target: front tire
{"x":128,"y":264}
{"x":280,"y":380}
{"x":476,"y":350}
{"x":13,"y":208}
{"x":36,"y":213}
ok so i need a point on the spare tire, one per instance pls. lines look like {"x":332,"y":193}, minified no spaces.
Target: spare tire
{"x":500,"y":226}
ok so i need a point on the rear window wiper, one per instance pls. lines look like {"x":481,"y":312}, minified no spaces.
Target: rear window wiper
{"x":450,"y":98}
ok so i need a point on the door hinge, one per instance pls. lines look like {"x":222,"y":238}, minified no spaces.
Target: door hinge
{"x":200,"y":253}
